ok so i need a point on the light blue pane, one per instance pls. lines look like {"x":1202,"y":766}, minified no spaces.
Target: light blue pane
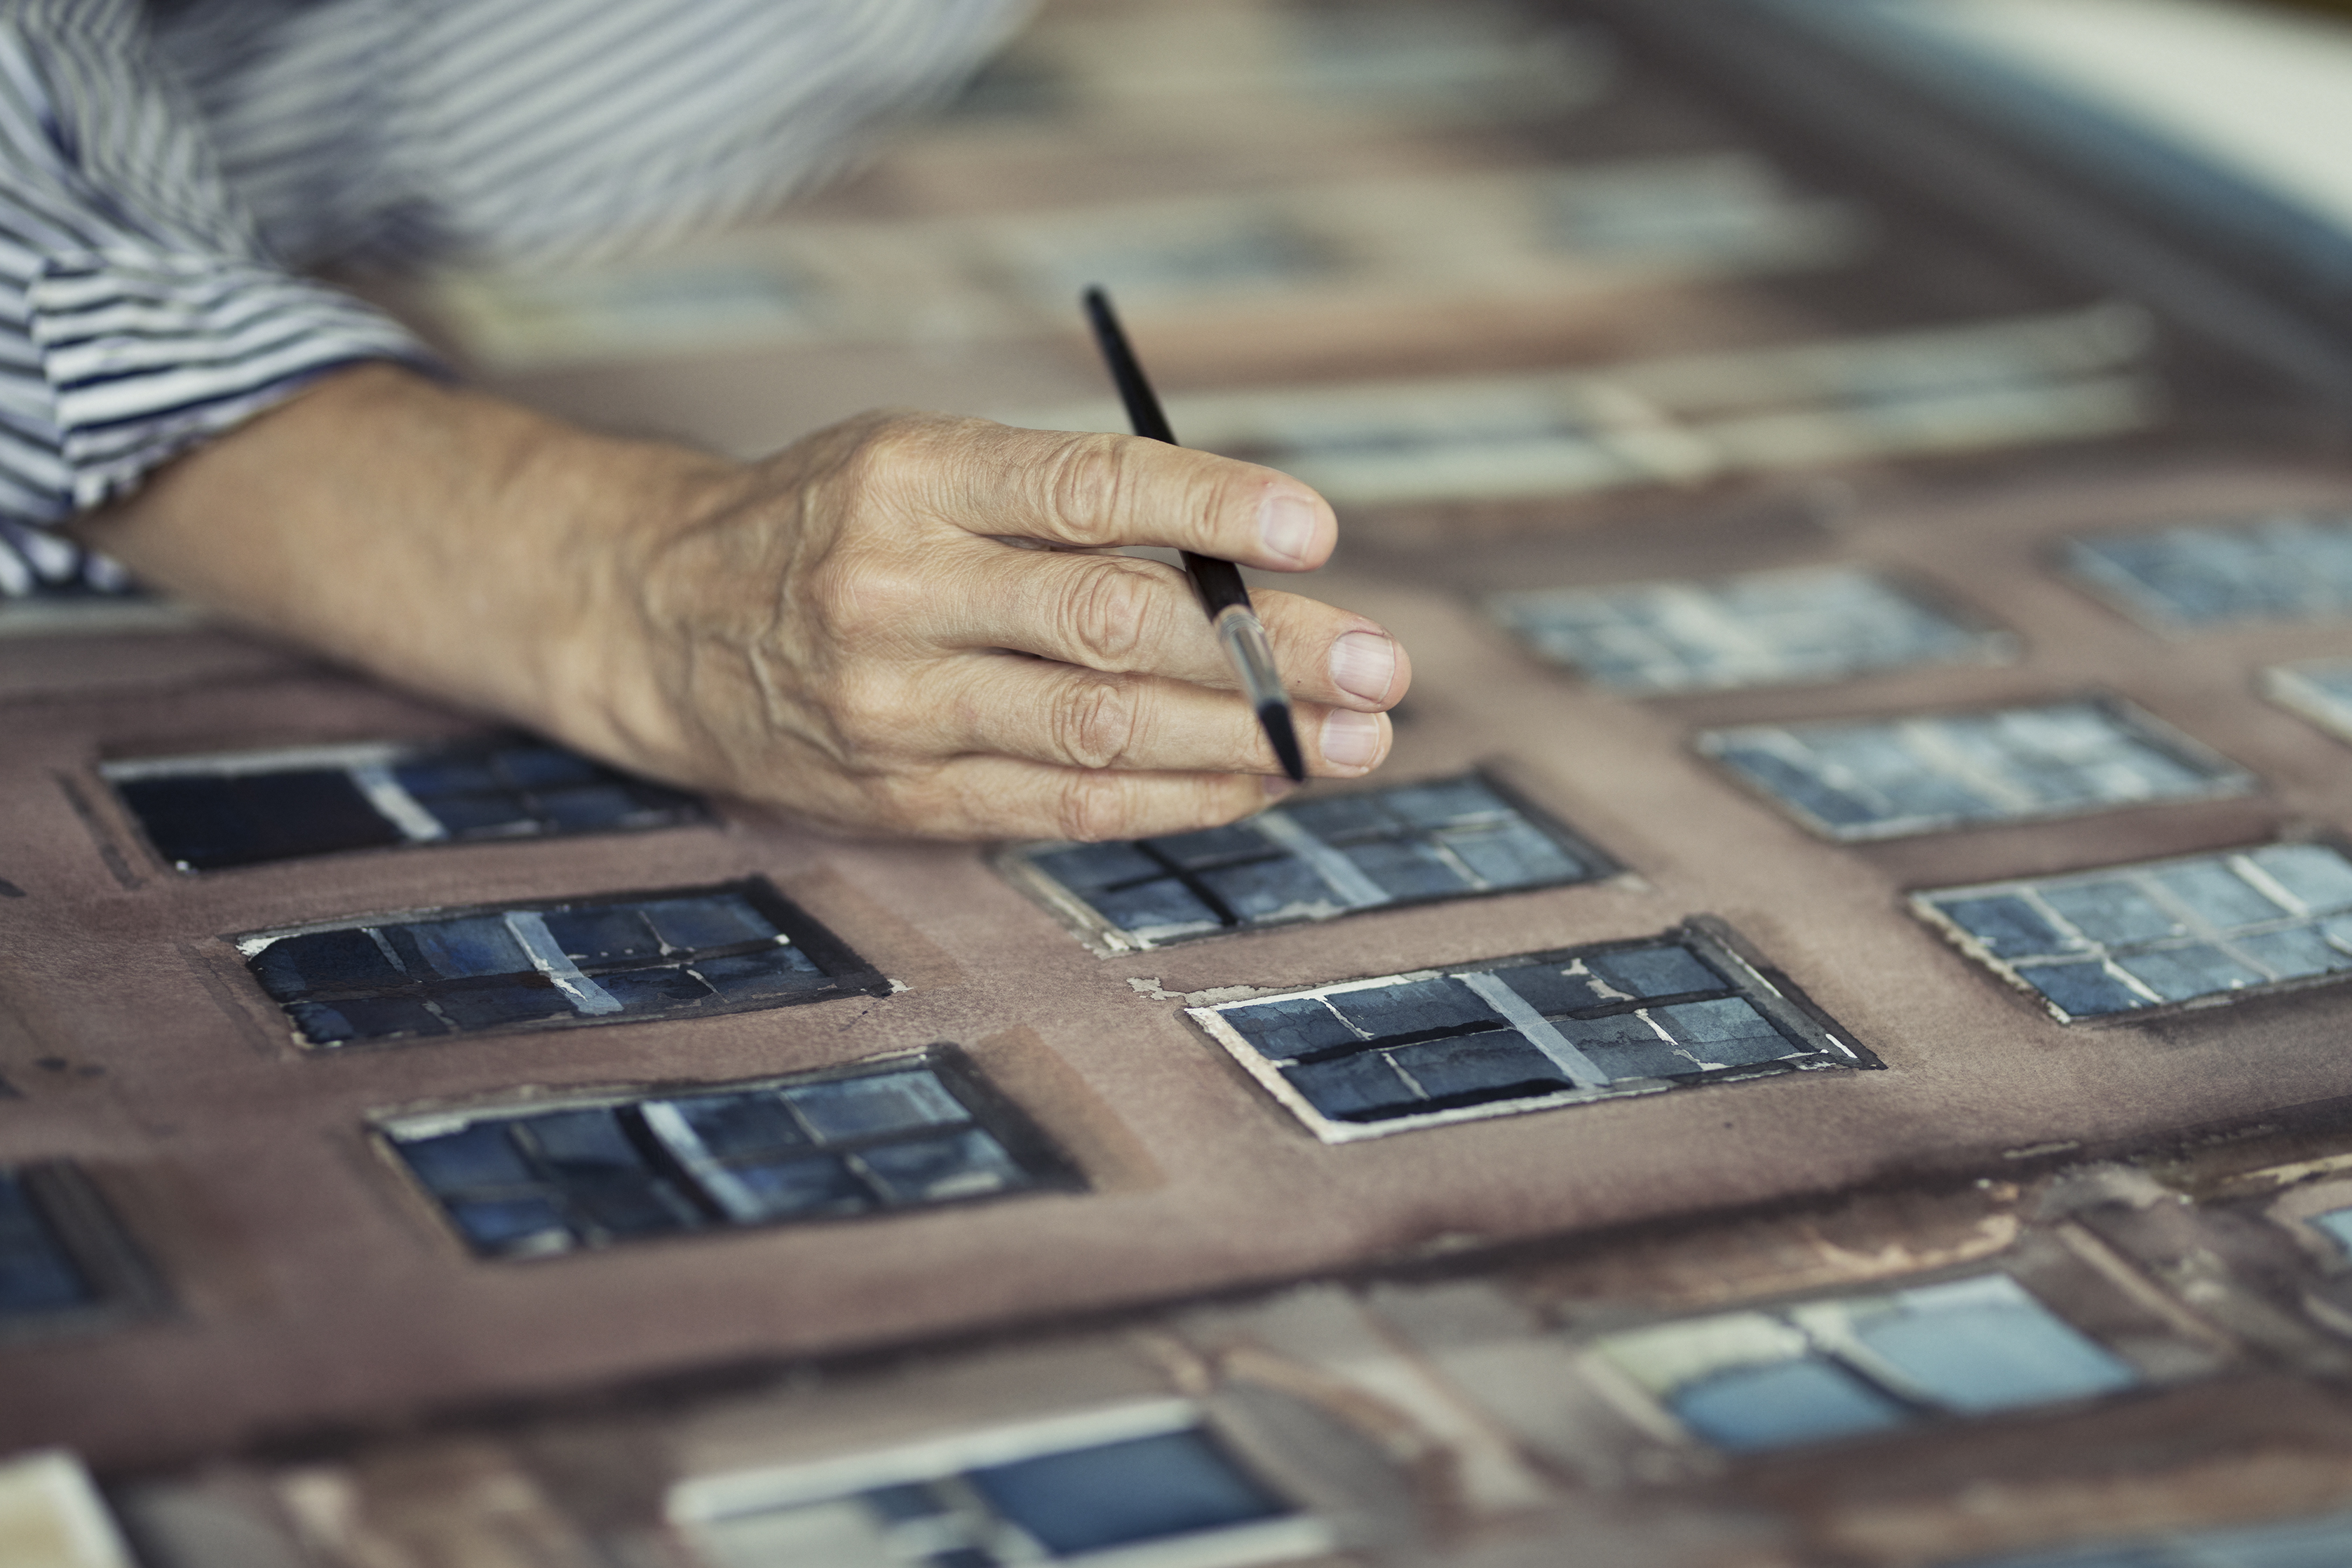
{"x":1122,"y":1494}
{"x":480,"y":944}
{"x":1512,"y":855}
{"x":472,"y":1157}
{"x":933,"y":1170}
{"x":2007,"y":925}
{"x":1803,"y":790}
{"x":1667,"y":970}
{"x":2296,"y":954}
{"x":2218,"y":893}
{"x":1783,"y":1404}
{"x":2082,"y":990}
{"x":2314,"y":873}
{"x":2337,"y":1225}
{"x":2178,"y":974}
{"x":1728,"y":1032}
{"x":2112,"y":912}
{"x":877,"y":1102}
{"x":1407,"y":868}
{"x":1974,"y":1351}
{"x":798,"y":1188}
{"x":1290,"y":1026}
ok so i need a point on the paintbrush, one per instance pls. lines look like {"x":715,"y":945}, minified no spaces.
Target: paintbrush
{"x":1219,"y":582}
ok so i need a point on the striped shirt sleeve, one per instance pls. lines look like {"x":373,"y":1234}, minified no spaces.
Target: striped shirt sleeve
{"x":139,"y":310}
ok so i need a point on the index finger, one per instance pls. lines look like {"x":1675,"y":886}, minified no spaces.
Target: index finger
{"x":1099,"y":491}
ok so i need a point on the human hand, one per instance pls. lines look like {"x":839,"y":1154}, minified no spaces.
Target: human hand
{"x":906,"y":622}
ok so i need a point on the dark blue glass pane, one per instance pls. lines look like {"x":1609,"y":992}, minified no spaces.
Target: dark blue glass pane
{"x":501,"y":816}
{"x":206,"y":822}
{"x":544,"y":767}
{"x":1145,"y":1489}
{"x":1354,"y":1089}
{"x":1447,"y":800}
{"x":1727,"y":1032}
{"x":1387,"y":1011}
{"x":476,"y":1156}
{"x":1214,"y":846}
{"x":2177,"y":974}
{"x":2082,"y":990}
{"x":2008,"y":926}
{"x":1261,"y":889}
{"x":1625,"y":1046}
{"x":1407,"y":868}
{"x":1552,"y":990}
{"x":1669,"y":970}
{"x":1292,"y":1026}
{"x":625,"y":1207}
{"x":577,"y":1142}
{"x":364,"y":1018}
{"x":295,"y":966}
{"x":1472,"y":1067}
{"x":451,"y":773}
{"x":36,"y":1275}
{"x":1343,"y":817}
{"x":772,"y":972}
{"x":875,"y":1103}
{"x":2112,"y":912}
{"x":458,"y":949}
{"x":933,"y":1170}
{"x":587,"y":808}
{"x":817,"y":1184}
{"x":722,"y":920}
{"x":1782,"y":1404}
{"x":522,"y":1000}
{"x":653,"y":990}
{"x":1513,"y":856}
{"x":602,"y":935}
{"x":1830,"y":806}
{"x":734,"y":1124}
{"x":506,"y":1225}
{"x":1153,"y":906}
{"x":1090,"y":867}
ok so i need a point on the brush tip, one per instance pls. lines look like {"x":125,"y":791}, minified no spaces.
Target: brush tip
{"x":1274,"y":718}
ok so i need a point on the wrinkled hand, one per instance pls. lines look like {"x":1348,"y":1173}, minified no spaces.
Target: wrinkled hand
{"x":900,"y":623}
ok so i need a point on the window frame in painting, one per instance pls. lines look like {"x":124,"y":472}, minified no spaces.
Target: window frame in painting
{"x":848,"y":972}
{"x":697,"y":1503}
{"x":1045,"y":1165}
{"x":400,"y":817}
{"x":1766,"y":989}
{"x":1017,"y":864}
{"x":1923,"y":905}
{"x":123,"y":1287}
{"x":2131,"y":599}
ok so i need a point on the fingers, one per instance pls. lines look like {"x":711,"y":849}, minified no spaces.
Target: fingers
{"x":1119,"y":615}
{"x":1104,"y":490}
{"x":1002,"y":797}
{"x":1057,"y":713}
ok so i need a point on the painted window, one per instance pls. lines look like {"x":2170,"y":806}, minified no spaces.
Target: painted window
{"x":2291,"y":566}
{"x":2126,"y":937}
{"x":2321,"y":1543}
{"x":246,"y":808}
{"x":1370,"y":1057}
{"x":1885,"y":778}
{"x":37,"y":1275}
{"x":582,"y":961}
{"x":902,"y":1133}
{"x":1313,"y":860}
{"x":1767,"y":628}
{"x":1852,"y":1365}
{"x":1141,"y":1485}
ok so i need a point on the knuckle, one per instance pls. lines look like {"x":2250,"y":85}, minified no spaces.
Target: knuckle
{"x":1093,"y":807}
{"x":868,"y":711}
{"x":1094,"y":723}
{"x":1086,"y":484}
{"x":857,"y":595}
{"x":1108,"y":615}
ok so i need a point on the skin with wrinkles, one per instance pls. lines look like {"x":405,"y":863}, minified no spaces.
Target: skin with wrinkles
{"x":907,"y":624}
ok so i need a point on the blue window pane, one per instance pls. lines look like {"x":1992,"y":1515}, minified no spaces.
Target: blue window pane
{"x":580,"y":1141}
{"x":1444,"y":803}
{"x":876,"y":1103}
{"x":771,"y":972}
{"x":1390,"y":1010}
{"x":1625,"y":1046}
{"x":2082,"y":990}
{"x":510,"y":1224}
{"x":2111,"y":912}
{"x":2296,"y":954}
{"x":934,"y":1170}
{"x":1344,"y":816}
{"x":2315,"y":874}
{"x":1407,"y":868}
{"x":1982,"y":1345}
{"x":520,"y":1001}
{"x":1265,"y":889}
{"x":544,"y":767}
{"x":1825,"y":803}
{"x":2218,"y":893}
{"x":1782,"y":1404}
{"x":737,"y":1124}
{"x":1729,"y":1031}
{"x":459,"y":949}
{"x":1291,"y":1027}
{"x":1149,"y":1489}
{"x":1353,"y":1088}
{"x":2294,"y":1544}
{"x":455,"y":774}
{"x":722,"y":920}
{"x":1471,"y":1068}
{"x":656,"y":990}
{"x":2337,"y":1225}
{"x":480,"y":1155}
{"x":1213,"y":845}
{"x":625,"y":1207}
{"x":1664,"y":971}
{"x":206,"y":822}
{"x":1164,"y":905}
{"x":585,"y":809}
{"x":36,"y":1274}
{"x":602,"y":935}
{"x":1513,"y":856}
{"x":803,"y":1187}
{"x":2008,"y":926}
{"x":364,"y":1018}
{"x":1090,"y":867}
{"x":499,"y":815}
{"x":323,"y":960}
{"x":2176,"y":974}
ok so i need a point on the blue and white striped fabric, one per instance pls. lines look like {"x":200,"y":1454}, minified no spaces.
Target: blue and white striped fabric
{"x":169,"y":171}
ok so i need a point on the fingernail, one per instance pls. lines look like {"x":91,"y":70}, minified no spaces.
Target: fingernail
{"x":1351,"y":738}
{"x":1363,"y":664}
{"x":1275,"y":788}
{"x":1285,"y":525}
